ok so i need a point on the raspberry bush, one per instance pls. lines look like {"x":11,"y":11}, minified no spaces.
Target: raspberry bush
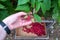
{"x":45,"y":8}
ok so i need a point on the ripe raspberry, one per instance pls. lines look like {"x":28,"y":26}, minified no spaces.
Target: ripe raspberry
{"x":36,"y":28}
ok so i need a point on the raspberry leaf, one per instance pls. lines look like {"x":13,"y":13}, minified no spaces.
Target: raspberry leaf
{"x":21,"y":2}
{"x":37,"y":18}
{"x":38,"y":5}
{"x":25,"y":8}
{"x":33,"y":3}
{"x":1,"y":6}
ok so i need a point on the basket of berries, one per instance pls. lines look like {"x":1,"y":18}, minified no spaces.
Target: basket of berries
{"x":32,"y":31}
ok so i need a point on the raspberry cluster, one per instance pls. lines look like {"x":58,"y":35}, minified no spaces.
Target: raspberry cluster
{"x":36,"y":28}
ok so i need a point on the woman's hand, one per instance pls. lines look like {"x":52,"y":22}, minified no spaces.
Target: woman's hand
{"x":15,"y":21}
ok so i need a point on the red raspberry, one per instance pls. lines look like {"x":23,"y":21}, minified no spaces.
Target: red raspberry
{"x":36,"y":28}
{"x":28,"y":18}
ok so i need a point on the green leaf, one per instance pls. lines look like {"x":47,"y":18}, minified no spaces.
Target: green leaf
{"x":9,"y":6}
{"x":37,"y":18}
{"x":38,"y":5}
{"x":21,"y":2}
{"x":55,"y":13}
{"x":39,"y":0}
{"x":3,"y":14}
{"x":1,"y":6}
{"x":59,"y":18}
{"x":55,"y":10}
{"x":33,"y":3}
{"x":3,"y":0}
{"x":25,"y":8}
{"x":47,"y":4}
{"x":59,"y":3}
{"x":55,"y":16}
{"x":43,"y":8}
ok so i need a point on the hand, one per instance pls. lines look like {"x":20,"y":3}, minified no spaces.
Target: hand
{"x":15,"y":21}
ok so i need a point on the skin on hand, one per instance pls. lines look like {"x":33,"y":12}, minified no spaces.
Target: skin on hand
{"x":15,"y":21}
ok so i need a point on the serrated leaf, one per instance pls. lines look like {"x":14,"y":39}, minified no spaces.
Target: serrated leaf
{"x":37,"y":18}
{"x":3,"y":0}
{"x":25,"y":8}
{"x":1,"y":6}
{"x":33,"y":3}
{"x":43,"y":8}
{"x":38,"y":5}
{"x":21,"y":2}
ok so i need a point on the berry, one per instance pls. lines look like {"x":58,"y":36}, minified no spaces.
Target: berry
{"x":36,"y":28}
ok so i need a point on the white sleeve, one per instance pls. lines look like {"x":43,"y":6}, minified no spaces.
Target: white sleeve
{"x":2,"y":33}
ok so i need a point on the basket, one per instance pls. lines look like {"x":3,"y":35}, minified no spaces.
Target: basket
{"x":48,"y":24}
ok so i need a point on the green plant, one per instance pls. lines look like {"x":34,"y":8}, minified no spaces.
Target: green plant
{"x":46,"y":7}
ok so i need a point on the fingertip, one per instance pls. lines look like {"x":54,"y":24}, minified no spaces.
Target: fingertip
{"x":29,"y":22}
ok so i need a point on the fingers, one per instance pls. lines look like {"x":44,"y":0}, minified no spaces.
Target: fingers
{"x":18,"y":25}
{"x":20,"y":14}
{"x":26,"y":23}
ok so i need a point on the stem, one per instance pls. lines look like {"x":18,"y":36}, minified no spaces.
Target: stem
{"x":33,"y":10}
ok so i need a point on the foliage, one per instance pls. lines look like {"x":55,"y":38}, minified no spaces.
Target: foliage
{"x":8,"y":7}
